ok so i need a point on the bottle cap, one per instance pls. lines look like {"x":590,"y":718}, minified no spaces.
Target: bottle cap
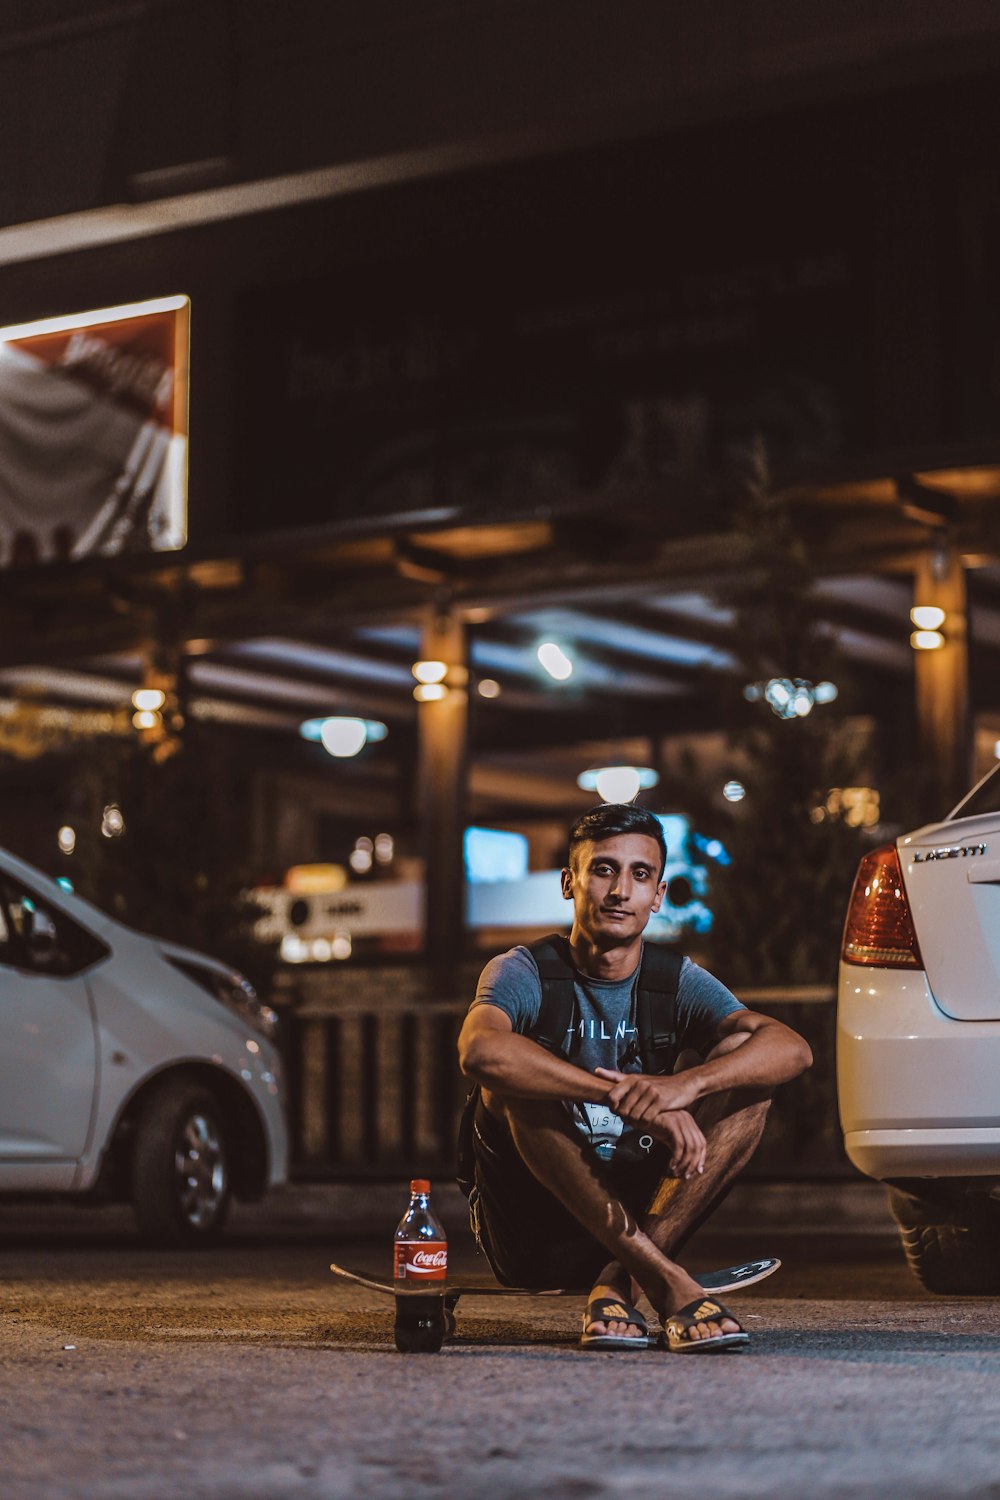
{"x":420,"y":1185}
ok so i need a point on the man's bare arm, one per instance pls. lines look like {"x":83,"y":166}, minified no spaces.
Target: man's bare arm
{"x":492,"y":1054}
{"x":771,"y":1053}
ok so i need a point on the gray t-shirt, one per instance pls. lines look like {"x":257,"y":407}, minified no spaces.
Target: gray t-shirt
{"x":603,"y":1033}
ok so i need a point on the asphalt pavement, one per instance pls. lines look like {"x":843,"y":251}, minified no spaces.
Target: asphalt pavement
{"x":249,"y":1373}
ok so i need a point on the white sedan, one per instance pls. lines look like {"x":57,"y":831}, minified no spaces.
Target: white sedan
{"x":129,"y":1068}
{"x":918,"y":1039}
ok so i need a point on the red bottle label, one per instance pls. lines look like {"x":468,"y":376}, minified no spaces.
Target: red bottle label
{"x":420,"y":1260}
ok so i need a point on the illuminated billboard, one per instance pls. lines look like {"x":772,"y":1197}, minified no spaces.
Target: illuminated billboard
{"x":93,"y":434}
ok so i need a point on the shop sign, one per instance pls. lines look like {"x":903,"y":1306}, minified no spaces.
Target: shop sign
{"x":93,"y":434}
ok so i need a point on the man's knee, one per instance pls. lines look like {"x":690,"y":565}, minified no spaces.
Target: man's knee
{"x":728,"y":1044}
{"x":756,"y":1094}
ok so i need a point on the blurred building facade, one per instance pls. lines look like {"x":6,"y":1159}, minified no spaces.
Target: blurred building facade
{"x":512,"y":321}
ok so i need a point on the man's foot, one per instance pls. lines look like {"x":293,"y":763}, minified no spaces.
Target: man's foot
{"x":679,"y":1329}
{"x":681,"y":1292}
{"x":611,"y":1322}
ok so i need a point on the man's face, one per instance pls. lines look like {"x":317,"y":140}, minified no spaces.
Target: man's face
{"x":615,"y":887}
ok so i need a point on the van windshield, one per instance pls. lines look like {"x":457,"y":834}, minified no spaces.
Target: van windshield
{"x":985,"y":798}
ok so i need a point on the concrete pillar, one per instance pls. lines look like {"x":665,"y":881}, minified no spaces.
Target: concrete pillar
{"x":443,"y":740}
{"x":942,"y":679}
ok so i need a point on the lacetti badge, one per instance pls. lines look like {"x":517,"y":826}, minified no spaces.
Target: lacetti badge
{"x":955,"y":851}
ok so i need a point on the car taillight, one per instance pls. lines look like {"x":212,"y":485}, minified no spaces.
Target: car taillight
{"x":879,"y":928}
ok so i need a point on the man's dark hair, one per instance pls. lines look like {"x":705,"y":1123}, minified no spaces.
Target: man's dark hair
{"x":610,"y":818}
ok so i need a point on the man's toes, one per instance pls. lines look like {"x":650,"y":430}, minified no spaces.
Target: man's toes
{"x":713,"y":1330}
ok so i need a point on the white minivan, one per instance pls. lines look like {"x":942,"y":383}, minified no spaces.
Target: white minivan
{"x":130,"y":1068}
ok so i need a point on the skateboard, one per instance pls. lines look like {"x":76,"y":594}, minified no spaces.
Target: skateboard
{"x":450,"y":1292}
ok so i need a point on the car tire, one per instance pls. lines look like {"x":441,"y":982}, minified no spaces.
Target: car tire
{"x":951,"y":1240}
{"x":181,"y":1179}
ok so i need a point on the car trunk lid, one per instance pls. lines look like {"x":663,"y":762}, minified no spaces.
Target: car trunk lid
{"x":951,"y":872}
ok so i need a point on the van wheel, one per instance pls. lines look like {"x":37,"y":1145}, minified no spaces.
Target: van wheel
{"x":180,"y":1166}
{"x":951,"y":1241}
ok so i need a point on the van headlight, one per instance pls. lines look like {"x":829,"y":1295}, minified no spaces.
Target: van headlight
{"x":232,"y":990}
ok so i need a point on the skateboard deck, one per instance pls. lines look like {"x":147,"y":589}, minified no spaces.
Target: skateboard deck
{"x":728,"y":1280}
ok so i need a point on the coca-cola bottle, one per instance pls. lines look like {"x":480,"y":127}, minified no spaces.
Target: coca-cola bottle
{"x":420,"y":1260}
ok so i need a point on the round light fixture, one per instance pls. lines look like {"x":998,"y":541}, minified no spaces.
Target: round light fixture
{"x":342,"y":736}
{"x":927,"y":616}
{"x":148,"y":700}
{"x":790,"y":697}
{"x":555,"y":661}
{"x":430,"y":671}
{"x":617,"y":783}
{"x":926,"y":640}
{"x":489,"y":688}
{"x":112,"y":821}
{"x":734,"y":791}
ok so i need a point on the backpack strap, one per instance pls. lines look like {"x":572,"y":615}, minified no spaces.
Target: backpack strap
{"x":558,"y":1005}
{"x":656,"y":994}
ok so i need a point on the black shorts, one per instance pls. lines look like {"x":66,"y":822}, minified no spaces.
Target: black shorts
{"x":526,"y":1234}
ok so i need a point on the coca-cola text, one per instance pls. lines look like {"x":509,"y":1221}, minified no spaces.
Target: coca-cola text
{"x":426,"y":1262}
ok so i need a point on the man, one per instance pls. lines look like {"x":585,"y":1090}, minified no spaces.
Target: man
{"x":588,"y":1171}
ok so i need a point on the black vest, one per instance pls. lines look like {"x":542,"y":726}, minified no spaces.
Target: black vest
{"x":656,"y":1000}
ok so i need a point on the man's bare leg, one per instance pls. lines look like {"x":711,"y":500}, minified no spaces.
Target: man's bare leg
{"x":732,"y":1124}
{"x":552,"y":1149}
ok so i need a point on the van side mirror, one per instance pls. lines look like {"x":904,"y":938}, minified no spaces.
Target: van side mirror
{"x":40,"y":936}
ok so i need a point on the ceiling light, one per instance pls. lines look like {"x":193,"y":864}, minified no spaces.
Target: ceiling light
{"x":927,"y":616}
{"x":385,"y":848}
{"x":927,"y":640}
{"x":734,"y":791}
{"x":555,"y":661}
{"x":66,"y":839}
{"x":617,"y":783}
{"x":430,"y":692}
{"x":430,"y":671}
{"x":489,"y":688}
{"x":148,"y":700}
{"x":112,"y":821}
{"x":802,"y":701}
{"x":790,"y":698}
{"x":342,"y":736}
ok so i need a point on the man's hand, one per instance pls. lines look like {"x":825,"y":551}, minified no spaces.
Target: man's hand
{"x":639,"y":1097}
{"x":658,"y":1105}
